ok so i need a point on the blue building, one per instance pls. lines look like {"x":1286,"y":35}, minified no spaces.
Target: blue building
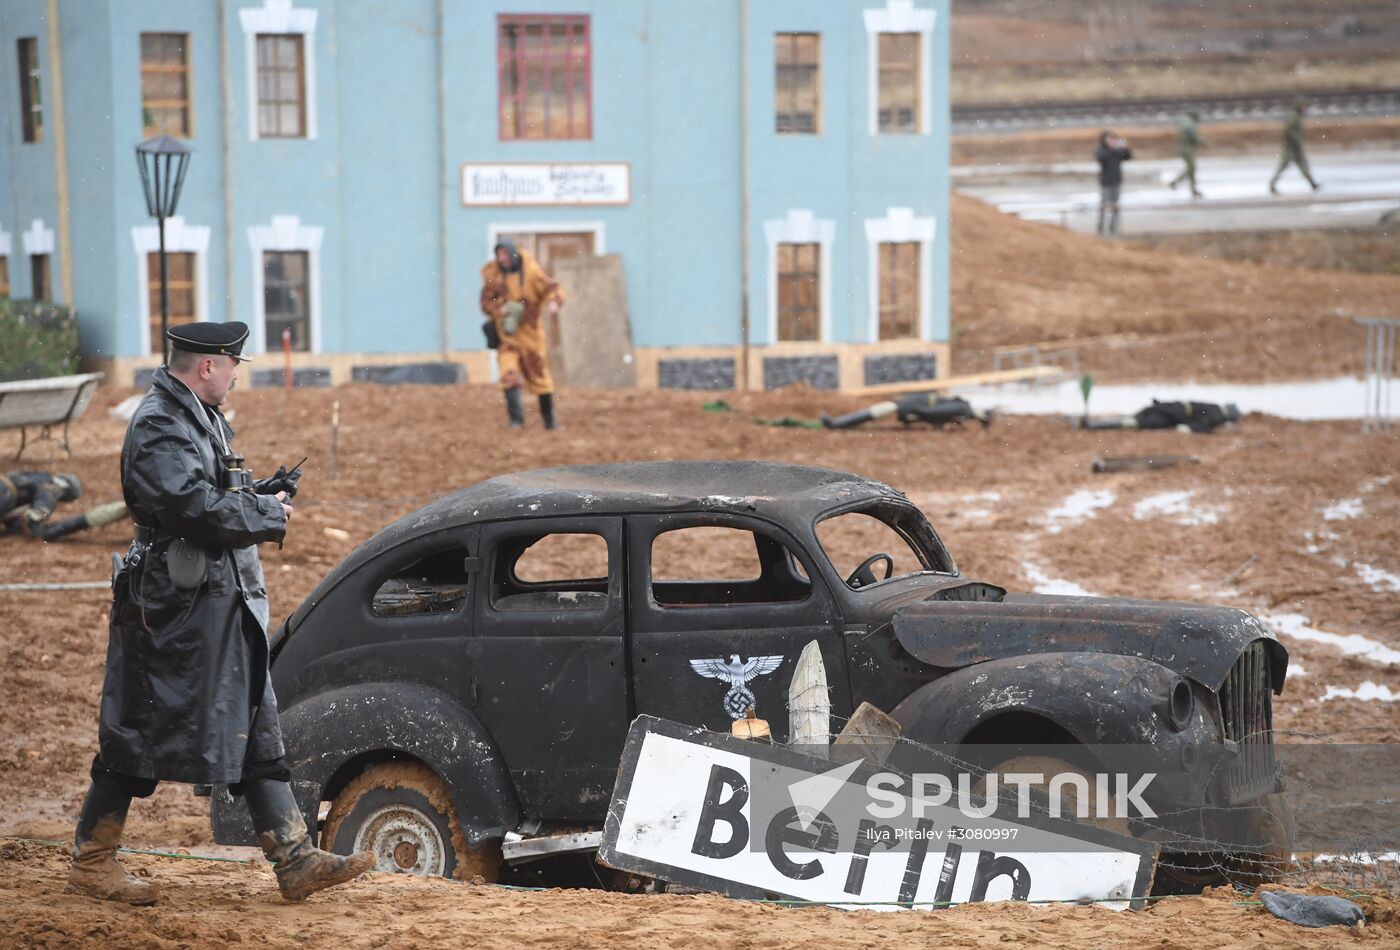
{"x":772,"y":173}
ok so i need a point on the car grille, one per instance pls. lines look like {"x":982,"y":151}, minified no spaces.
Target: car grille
{"x":1247,"y":709}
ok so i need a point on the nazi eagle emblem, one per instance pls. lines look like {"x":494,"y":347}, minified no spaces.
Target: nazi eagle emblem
{"x":737,"y":674}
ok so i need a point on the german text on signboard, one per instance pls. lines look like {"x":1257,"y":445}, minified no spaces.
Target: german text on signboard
{"x":743,"y":819}
{"x":560,"y":183}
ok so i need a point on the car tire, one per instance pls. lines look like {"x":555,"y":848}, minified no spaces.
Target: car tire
{"x":1050,"y":765}
{"x":403,"y":814}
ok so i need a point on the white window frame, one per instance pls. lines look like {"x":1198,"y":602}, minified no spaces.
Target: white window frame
{"x":279,"y":16}
{"x":900,"y":16}
{"x":900,"y":226}
{"x":598,"y":229}
{"x":286,"y":233}
{"x":180,"y":238}
{"x":800,"y":226}
{"x":37,"y":240}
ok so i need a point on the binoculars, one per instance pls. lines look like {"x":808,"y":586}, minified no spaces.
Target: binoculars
{"x":236,"y":477}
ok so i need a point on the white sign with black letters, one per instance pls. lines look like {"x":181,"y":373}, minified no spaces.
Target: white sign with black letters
{"x":543,"y":183}
{"x":706,"y":810}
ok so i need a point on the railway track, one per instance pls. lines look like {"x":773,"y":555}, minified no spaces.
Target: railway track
{"x":1238,"y":107}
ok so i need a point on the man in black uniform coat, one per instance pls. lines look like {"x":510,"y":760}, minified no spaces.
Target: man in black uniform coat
{"x":187,"y":696}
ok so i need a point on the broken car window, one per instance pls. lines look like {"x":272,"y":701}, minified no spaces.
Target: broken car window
{"x":558,"y":571}
{"x":716,"y":565}
{"x":853,"y":538}
{"x":435,"y":584}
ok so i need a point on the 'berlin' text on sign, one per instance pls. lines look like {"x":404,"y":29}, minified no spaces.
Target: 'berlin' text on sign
{"x":566,"y":183}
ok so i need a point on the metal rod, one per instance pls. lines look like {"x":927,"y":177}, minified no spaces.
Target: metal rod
{"x":164,"y":294}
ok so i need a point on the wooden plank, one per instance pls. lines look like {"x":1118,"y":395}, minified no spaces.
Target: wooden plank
{"x":594,"y":331}
{"x":945,"y":383}
{"x":809,"y":705}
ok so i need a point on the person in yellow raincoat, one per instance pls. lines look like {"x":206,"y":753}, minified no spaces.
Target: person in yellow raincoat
{"x":515,"y":295}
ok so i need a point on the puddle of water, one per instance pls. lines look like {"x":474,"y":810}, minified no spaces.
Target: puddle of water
{"x":1310,"y":400}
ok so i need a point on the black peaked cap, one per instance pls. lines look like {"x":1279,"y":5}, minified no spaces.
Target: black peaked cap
{"x":216,"y":339}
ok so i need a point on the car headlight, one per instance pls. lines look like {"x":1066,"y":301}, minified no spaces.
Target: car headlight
{"x":1181,"y":705}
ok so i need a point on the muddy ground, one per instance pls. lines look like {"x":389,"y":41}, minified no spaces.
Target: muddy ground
{"x":1282,"y":518}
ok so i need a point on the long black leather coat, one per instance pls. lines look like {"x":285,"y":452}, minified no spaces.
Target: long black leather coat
{"x":187,"y":695}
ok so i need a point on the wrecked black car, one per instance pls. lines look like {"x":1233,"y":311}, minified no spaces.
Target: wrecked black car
{"x":463,"y":682}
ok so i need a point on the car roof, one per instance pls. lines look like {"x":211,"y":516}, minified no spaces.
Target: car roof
{"x":781,"y":492}
{"x":777,"y":490}
{"x":774,"y":487}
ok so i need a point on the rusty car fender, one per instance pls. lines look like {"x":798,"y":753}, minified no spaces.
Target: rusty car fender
{"x":1097,"y":698}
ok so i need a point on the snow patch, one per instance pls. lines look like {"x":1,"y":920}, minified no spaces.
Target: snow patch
{"x":1295,"y":671}
{"x":1343,"y":510}
{"x":1174,"y":504}
{"x":1297,"y":627}
{"x":1045,"y":584}
{"x":1366,"y":692}
{"x":1379,"y":580}
{"x":1077,"y":507}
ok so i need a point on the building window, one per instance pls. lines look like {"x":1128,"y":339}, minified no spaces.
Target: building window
{"x":899,"y":289}
{"x":4,"y":276}
{"x":281,"y":86}
{"x":39,"y":277}
{"x":31,"y":105}
{"x":899,"y":82}
{"x":797,"y":82}
{"x":799,"y":292}
{"x":545,"y":86}
{"x":287,"y":298}
{"x":180,"y":279}
{"x":165,"y":84}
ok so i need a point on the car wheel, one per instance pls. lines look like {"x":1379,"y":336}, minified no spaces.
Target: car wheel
{"x":402,"y":813}
{"x":1049,"y":765}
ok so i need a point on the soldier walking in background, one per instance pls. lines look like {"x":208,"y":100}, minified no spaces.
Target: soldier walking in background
{"x":1188,"y":139}
{"x":1293,"y":148}
{"x":1111,"y":154}
{"x":515,"y":295}
{"x":187,"y":695}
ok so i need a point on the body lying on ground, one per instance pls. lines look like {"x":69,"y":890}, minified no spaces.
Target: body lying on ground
{"x":1186,"y":416}
{"x":932,"y":408}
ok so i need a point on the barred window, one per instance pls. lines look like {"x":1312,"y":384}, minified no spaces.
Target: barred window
{"x":31,"y":105}
{"x":180,"y":279}
{"x":545,"y":85}
{"x":40,"y":279}
{"x":287,"y":298}
{"x":797,"y":82}
{"x":165,"y":84}
{"x":899,"y":82}
{"x":899,"y":290}
{"x":799,"y":292}
{"x":281,"y":85}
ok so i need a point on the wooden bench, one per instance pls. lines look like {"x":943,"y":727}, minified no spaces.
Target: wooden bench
{"x":45,"y":403}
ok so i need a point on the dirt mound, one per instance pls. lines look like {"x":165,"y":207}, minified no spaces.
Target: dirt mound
{"x":1144,"y":314}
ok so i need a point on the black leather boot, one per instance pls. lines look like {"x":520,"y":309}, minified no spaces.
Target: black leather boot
{"x":95,"y":870}
{"x":547,"y":411}
{"x":515,"y":409}
{"x":302,"y":868}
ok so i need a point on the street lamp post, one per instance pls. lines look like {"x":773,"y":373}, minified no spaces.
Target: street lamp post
{"x":162,"y":161}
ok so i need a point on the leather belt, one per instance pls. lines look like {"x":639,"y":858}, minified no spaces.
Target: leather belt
{"x":145,"y":535}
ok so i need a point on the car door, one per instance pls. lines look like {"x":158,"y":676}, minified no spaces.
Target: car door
{"x":721,"y":608}
{"x":548,"y":665}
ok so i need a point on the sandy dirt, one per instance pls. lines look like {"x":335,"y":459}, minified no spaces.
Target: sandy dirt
{"x":1278,"y":517}
{"x":1137,"y":314}
{"x":380,"y":911}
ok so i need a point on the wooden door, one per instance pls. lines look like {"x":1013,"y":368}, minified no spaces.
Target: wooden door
{"x":548,"y":247}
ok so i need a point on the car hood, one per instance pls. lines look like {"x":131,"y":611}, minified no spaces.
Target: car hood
{"x":1198,"y":641}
